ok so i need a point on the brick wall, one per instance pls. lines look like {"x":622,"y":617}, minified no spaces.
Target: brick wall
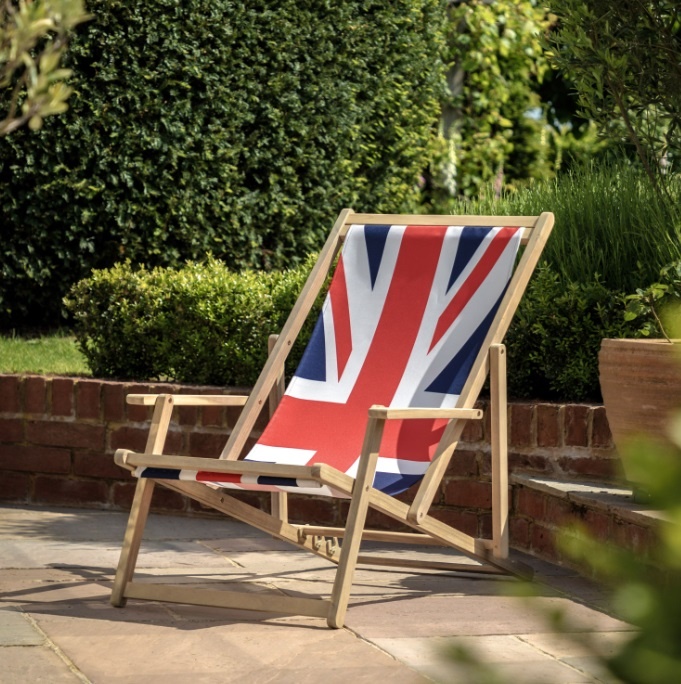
{"x":58,"y":435}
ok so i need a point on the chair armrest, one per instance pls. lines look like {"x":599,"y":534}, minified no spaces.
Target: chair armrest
{"x":385,"y":413}
{"x":190,"y":399}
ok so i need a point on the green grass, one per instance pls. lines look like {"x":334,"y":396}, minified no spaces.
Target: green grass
{"x":54,"y":354}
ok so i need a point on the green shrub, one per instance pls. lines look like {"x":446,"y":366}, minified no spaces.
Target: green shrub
{"x":240,"y":128}
{"x":555,"y":336}
{"x":198,"y":324}
{"x":611,"y":225}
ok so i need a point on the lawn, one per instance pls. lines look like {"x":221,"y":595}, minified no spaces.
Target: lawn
{"x":55,"y":354}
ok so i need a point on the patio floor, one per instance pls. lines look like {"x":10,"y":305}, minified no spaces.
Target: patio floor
{"x":56,"y":623}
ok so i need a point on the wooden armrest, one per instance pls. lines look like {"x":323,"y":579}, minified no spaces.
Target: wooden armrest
{"x":131,"y":460}
{"x":416,"y":413}
{"x":190,"y":399}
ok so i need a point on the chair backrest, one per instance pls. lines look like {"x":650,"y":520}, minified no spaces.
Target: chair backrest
{"x":413,"y":305}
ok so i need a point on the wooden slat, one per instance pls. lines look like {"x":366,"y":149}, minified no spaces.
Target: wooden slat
{"x":429,"y":565}
{"x":241,"y":600}
{"x":131,"y":458}
{"x":189,"y":399}
{"x":499,"y":448}
{"x":374,"y":535}
{"x":424,"y":413}
{"x":444,"y":220}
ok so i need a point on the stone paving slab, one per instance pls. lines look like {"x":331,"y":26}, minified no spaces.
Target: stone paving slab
{"x":56,"y":623}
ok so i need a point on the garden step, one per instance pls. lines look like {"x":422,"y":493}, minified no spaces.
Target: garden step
{"x":542,"y":506}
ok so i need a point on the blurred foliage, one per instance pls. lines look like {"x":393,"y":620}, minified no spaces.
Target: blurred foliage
{"x":240,"y":128}
{"x":624,"y":60}
{"x":201,"y":323}
{"x":33,"y":40}
{"x":646,"y":591}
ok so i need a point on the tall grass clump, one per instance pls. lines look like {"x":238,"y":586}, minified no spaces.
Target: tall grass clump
{"x":612,"y":226}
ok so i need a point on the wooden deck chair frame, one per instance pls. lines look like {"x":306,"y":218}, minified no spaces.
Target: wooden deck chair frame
{"x":492,"y":553}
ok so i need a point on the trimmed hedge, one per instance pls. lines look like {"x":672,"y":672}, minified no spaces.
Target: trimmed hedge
{"x":201,"y":324}
{"x":240,"y":128}
{"x":206,"y":324}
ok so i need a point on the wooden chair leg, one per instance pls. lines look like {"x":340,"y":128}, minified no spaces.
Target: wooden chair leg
{"x":355,"y":523}
{"x":132,"y":540}
{"x":280,"y":506}
{"x":499,"y":420}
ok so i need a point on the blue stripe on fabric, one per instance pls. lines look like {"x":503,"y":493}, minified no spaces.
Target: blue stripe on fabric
{"x":375,"y":238}
{"x":312,"y":365}
{"x":394,"y":483}
{"x":470,"y":240}
{"x":452,"y":379}
{"x":161,"y":473}
{"x":277,"y":481}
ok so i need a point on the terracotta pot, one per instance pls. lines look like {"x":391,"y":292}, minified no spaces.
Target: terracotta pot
{"x":641,"y":387}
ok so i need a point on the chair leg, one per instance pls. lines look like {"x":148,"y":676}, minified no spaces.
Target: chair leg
{"x":357,"y":514}
{"x":132,"y":541}
{"x":280,"y":506}
{"x":499,"y":419}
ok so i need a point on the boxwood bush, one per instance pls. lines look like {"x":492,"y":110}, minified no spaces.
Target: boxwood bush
{"x":202,"y":323}
{"x":240,"y":128}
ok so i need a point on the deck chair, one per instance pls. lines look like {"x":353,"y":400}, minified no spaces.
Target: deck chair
{"x":412,"y":323}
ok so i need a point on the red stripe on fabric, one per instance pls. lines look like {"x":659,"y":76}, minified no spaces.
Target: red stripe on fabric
{"x":208,"y":476}
{"x":340,"y":309}
{"x":336,"y":431}
{"x":472,"y":283}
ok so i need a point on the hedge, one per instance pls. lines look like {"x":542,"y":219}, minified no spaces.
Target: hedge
{"x":240,"y":128}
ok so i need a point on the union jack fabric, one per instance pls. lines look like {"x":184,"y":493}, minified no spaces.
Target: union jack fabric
{"x":404,"y":319}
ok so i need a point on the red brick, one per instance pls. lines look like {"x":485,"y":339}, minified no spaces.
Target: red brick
{"x":485,"y":525}
{"x":122,"y":494}
{"x":543,"y":543}
{"x":128,"y":437}
{"x":534,"y":463}
{"x":15,"y":486}
{"x":62,"y":396}
{"x":61,"y":490}
{"x":463,"y":464}
{"x":519,"y":532}
{"x":212,"y":416}
{"x":601,"y":437}
{"x":35,"y":394}
{"x":598,"y":524}
{"x":54,"y":433}
{"x":592,"y":467}
{"x":313,"y":510}
{"x":635,"y":538}
{"x":187,"y":415}
{"x":11,"y":430}
{"x":531,"y":503}
{"x":576,"y":425}
{"x":88,"y":398}
{"x":10,"y":399}
{"x":522,"y":416}
{"x":96,"y":464}
{"x":549,"y":429}
{"x":113,"y":401}
{"x":473,"y":431}
{"x":166,"y":500}
{"x":558,"y":512}
{"x":38,"y":459}
{"x":468,"y":494}
{"x":464,"y":521}
{"x":206,"y":444}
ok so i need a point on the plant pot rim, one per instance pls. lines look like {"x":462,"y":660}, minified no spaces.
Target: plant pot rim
{"x":641,"y":342}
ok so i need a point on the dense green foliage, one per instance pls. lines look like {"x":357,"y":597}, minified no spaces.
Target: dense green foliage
{"x":201,"y":323}
{"x":554,"y":339}
{"x":624,"y":59}
{"x":240,"y":128}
